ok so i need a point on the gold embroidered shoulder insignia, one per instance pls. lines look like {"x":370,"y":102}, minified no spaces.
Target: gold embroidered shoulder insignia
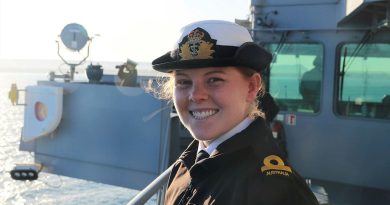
{"x":275,"y":165}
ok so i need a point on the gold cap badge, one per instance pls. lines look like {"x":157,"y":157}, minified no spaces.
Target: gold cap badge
{"x":197,"y":45}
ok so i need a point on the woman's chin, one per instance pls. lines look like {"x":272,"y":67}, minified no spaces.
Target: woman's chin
{"x":201,"y":136}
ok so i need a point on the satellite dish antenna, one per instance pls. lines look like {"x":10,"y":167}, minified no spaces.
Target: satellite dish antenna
{"x":74,"y":37}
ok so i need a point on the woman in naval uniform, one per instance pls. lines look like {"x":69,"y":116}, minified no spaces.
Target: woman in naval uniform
{"x":215,"y":79}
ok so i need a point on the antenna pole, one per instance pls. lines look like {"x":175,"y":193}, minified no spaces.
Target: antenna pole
{"x":72,"y":65}
{"x":72,"y":70}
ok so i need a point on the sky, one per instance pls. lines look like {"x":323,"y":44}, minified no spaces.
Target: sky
{"x":139,"y":30}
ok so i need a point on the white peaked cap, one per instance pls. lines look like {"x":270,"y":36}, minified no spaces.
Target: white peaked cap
{"x":213,"y":43}
{"x":227,"y":33}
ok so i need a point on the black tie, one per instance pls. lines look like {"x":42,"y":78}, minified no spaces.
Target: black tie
{"x":201,"y":155}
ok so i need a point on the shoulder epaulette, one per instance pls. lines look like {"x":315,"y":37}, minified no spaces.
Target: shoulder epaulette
{"x":274,"y":165}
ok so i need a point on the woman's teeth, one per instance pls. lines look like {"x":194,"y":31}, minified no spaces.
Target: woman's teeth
{"x":199,"y":115}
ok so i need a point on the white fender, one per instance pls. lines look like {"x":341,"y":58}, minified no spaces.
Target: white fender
{"x":43,"y":111}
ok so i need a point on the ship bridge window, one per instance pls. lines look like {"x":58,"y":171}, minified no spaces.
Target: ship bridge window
{"x":295,"y":78}
{"x":364,"y":85}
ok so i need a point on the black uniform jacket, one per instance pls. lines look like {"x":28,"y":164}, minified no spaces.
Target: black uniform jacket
{"x":248,"y":169}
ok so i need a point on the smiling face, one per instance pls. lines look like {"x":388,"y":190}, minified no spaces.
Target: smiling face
{"x":211,"y":101}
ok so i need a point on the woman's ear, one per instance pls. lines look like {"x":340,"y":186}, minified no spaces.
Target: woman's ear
{"x":253,"y":87}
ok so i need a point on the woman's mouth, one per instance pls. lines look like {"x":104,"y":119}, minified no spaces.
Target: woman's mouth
{"x":200,"y":115}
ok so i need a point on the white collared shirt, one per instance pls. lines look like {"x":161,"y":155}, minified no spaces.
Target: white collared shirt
{"x":214,"y":144}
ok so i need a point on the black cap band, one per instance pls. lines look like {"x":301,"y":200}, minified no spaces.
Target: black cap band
{"x":248,"y":55}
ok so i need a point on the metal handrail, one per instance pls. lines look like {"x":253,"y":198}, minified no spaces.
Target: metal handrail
{"x":143,"y":196}
{"x":158,"y":183}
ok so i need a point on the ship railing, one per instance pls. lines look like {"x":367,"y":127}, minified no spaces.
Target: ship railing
{"x":150,"y":190}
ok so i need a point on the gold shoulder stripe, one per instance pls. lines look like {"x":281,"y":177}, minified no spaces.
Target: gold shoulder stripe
{"x":279,"y":166}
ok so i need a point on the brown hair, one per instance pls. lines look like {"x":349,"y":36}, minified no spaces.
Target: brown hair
{"x":254,"y":110}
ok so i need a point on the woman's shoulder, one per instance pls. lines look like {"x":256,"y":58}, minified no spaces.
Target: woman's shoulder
{"x":274,"y":176}
{"x":276,"y":182}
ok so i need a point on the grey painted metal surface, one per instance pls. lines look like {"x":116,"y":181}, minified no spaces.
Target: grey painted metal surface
{"x":327,"y":146}
{"x":308,"y":15}
{"x":291,"y":2}
{"x":109,"y":134}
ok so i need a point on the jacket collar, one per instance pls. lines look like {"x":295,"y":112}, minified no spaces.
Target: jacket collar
{"x":254,"y":137}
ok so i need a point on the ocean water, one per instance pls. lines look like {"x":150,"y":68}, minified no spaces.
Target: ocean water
{"x":48,"y":189}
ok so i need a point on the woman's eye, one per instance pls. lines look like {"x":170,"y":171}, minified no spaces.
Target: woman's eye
{"x":215,"y":80}
{"x":182,"y":83}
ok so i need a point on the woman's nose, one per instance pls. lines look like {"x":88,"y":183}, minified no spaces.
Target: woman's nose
{"x":198,"y":93}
